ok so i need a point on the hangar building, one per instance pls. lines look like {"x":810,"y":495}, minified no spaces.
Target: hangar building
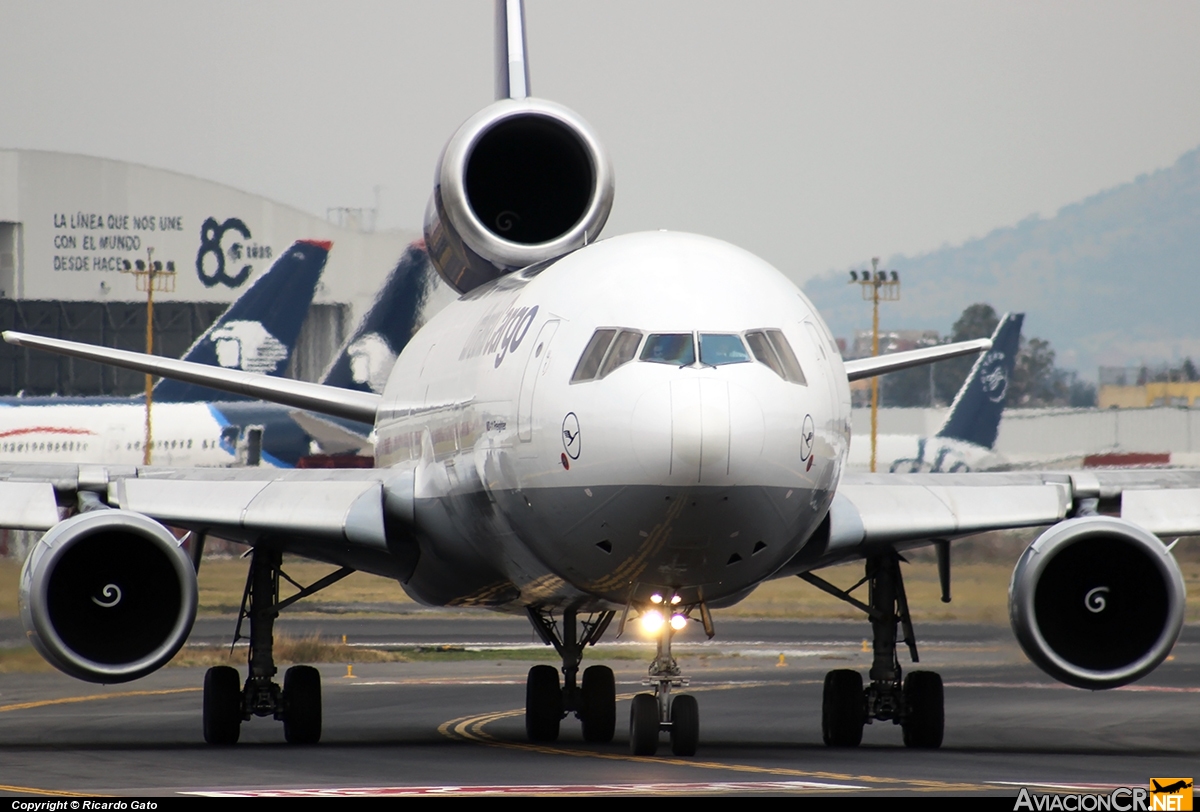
{"x":69,"y":222}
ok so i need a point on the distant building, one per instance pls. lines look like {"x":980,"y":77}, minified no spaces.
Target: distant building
{"x":1145,"y":387}
{"x":69,"y":222}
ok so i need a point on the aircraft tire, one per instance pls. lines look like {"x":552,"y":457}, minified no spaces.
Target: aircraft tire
{"x":643,"y":725}
{"x":222,"y":705}
{"x":598,"y":704}
{"x":302,"y":705}
{"x":543,"y":704}
{"x":685,"y":725}
{"x":925,"y":719}
{"x":843,"y":713}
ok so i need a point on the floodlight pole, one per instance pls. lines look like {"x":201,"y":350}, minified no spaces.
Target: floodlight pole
{"x":872,"y":283}
{"x":150,"y":351}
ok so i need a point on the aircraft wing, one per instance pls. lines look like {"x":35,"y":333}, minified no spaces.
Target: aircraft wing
{"x":874,"y":511}
{"x":335,"y":515}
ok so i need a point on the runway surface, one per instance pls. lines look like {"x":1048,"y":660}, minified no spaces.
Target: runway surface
{"x":455,"y":724}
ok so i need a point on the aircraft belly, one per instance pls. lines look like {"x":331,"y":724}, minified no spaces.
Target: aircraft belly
{"x":706,"y":542}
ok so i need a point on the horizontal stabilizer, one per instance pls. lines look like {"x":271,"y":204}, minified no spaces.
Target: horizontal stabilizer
{"x":894,"y":362}
{"x":315,"y":397}
{"x":333,"y":438}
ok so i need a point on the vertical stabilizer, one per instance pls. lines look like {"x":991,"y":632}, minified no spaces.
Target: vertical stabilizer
{"x":366,"y":359}
{"x":258,"y":332}
{"x":975,"y":414}
{"x":512,"y":59}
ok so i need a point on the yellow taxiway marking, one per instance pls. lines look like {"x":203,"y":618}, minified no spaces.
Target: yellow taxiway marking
{"x":39,"y":791}
{"x":70,"y":700}
{"x":471,"y":728}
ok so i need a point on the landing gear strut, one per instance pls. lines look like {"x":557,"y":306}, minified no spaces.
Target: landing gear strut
{"x":227,"y":703}
{"x":651,"y":713}
{"x":914,"y":702}
{"x":547,"y":702}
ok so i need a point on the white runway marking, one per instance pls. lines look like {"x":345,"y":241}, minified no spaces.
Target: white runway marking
{"x":693,"y":788}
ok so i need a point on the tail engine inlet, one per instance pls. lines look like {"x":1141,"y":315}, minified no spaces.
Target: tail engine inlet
{"x":1097,"y":602}
{"x":521,"y":182}
{"x":108,"y":596}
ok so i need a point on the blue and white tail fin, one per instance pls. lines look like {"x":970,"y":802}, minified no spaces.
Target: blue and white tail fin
{"x":366,"y":359}
{"x":974,"y":416}
{"x":258,"y":332}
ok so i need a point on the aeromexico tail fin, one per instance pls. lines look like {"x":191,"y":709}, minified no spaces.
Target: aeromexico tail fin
{"x":974,"y":416}
{"x":258,"y":332}
{"x":512,"y":57}
{"x":366,"y":359}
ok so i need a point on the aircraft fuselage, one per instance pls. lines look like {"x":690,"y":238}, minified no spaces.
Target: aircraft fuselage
{"x":694,"y":467}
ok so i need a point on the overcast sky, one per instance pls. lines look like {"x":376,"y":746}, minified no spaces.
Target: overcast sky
{"x":814,"y":134}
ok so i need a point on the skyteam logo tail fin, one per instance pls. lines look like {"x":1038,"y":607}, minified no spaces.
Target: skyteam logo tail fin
{"x":258,"y":332}
{"x":975,"y":414}
{"x":365,"y":361}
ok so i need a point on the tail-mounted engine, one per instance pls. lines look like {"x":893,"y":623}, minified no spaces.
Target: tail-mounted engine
{"x":522,"y":181}
{"x":1097,"y":602}
{"x":108,"y":596}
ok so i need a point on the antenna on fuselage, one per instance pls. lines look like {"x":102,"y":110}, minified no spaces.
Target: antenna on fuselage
{"x":512,"y":59}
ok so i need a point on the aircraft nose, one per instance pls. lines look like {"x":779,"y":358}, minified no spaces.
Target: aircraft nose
{"x":698,"y":431}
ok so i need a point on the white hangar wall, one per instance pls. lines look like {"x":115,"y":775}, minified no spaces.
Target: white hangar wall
{"x":67,"y":223}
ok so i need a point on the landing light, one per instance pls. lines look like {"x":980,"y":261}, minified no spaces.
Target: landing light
{"x":678,"y":622}
{"x":656,"y":598}
{"x":675,"y":599}
{"x":652,"y":621}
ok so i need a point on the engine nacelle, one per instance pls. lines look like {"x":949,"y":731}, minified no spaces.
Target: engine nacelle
{"x":522,"y":181}
{"x":1097,"y":602}
{"x":108,"y":596}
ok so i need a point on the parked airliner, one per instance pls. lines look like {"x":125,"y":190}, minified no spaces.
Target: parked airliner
{"x":633,"y":429}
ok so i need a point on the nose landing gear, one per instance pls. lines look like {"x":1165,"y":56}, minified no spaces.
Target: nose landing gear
{"x":547,"y":702}
{"x":915,"y":702}
{"x":652,"y":713}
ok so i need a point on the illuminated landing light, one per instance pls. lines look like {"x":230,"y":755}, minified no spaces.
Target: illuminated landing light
{"x":652,"y":621}
{"x":675,"y":599}
{"x":656,"y":598}
{"x":678,"y":622}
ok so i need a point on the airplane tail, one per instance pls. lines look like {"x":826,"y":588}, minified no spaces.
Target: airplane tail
{"x":974,"y":416}
{"x":364,"y":361}
{"x":258,"y":332}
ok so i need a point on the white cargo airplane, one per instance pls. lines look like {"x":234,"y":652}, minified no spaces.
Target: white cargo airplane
{"x":650,"y":425}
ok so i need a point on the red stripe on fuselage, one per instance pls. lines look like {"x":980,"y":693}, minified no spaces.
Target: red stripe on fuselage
{"x":44,"y":430}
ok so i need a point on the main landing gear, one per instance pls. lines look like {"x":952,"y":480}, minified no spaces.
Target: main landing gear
{"x":547,"y":702}
{"x":914,"y":702}
{"x":227,"y":703}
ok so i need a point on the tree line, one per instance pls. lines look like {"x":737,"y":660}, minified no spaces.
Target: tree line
{"x":1035,"y":381}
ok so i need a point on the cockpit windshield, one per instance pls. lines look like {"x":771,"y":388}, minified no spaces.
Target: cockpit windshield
{"x":718,"y":349}
{"x":670,"y":348}
{"x":608,"y":349}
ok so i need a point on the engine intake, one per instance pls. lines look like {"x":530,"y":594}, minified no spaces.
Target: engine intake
{"x":1097,"y":602}
{"x":108,"y":596}
{"x":521,"y":182}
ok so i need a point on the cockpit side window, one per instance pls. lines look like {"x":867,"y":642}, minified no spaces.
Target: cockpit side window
{"x":677,"y":349}
{"x":717,"y":349}
{"x":593,"y":354}
{"x":771,"y":347}
{"x":623,"y":351}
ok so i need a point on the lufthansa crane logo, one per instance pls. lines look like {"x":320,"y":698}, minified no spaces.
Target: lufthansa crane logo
{"x":570,"y":435}
{"x":808,"y":436}
{"x":111,"y":594}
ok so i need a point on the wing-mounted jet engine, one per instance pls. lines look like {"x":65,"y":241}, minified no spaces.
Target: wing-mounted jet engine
{"x":522,"y":181}
{"x":108,"y":596}
{"x":1097,"y":602}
